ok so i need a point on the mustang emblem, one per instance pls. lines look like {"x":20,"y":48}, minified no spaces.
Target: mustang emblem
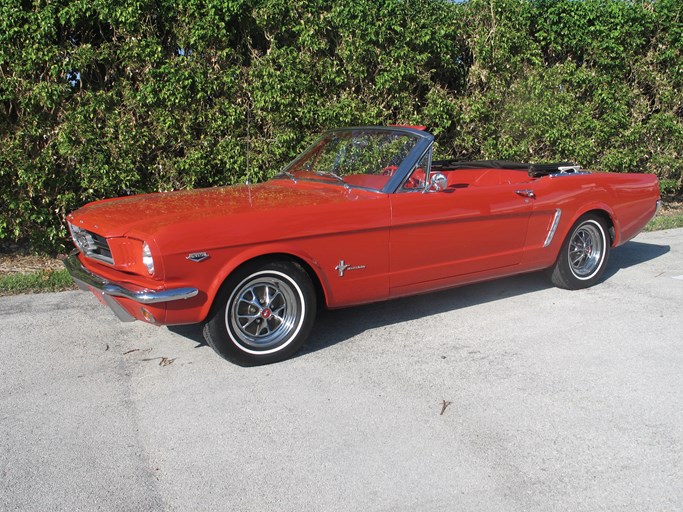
{"x":197,"y":256}
{"x":343,"y":267}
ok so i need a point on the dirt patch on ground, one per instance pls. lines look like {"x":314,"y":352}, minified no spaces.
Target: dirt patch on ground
{"x":13,"y":263}
{"x":671,"y":206}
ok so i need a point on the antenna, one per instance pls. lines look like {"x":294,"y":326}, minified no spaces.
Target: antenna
{"x":248,"y":142}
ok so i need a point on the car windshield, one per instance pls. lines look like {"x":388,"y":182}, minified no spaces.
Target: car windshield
{"x":354,"y":158}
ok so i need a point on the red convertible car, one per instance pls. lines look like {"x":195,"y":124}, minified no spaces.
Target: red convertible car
{"x":362,"y":215}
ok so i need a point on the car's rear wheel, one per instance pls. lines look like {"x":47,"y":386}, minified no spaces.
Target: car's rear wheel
{"x":263,"y":314}
{"x":584,"y":253}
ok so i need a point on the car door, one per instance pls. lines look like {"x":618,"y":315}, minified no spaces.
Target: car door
{"x":443,"y":238}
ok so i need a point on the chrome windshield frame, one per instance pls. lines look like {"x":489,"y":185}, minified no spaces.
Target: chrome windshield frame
{"x":424,"y":140}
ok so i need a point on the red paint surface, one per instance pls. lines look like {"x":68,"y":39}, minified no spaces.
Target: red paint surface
{"x":477,"y":229}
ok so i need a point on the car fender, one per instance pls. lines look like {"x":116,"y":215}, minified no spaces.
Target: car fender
{"x":593,"y":206}
{"x":254,"y":252}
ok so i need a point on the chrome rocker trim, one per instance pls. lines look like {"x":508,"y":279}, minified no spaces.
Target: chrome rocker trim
{"x":87,"y":280}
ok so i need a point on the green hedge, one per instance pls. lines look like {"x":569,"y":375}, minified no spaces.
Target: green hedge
{"x":100,"y":98}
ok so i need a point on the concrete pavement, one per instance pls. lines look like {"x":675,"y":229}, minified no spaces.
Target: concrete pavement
{"x":555,"y":400}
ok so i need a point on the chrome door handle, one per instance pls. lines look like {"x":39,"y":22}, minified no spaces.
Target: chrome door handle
{"x":526,"y":193}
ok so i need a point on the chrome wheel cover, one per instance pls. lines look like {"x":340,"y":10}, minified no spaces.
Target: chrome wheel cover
{"x":264,"y":312}
{"x":586,"y":250}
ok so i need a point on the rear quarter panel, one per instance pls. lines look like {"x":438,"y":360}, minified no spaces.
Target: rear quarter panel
{"x":635,"y":203}
{"x":629,"y":200}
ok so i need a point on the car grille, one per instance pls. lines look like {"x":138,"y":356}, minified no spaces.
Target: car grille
{"x":101,"y":247}
{"x":92,"y":245}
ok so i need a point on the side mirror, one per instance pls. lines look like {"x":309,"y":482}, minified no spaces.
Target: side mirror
{"x":437,"y":183}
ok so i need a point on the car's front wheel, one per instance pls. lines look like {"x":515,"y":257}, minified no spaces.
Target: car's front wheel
{"x":263,"y":314}
{"x":584,"y":253}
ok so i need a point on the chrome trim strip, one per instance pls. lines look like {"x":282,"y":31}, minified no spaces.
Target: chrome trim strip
{"x":99,"y":257}
{"x":83,"y":276}
{"x":553,"y":227}
{"x":570,"y":168}
{"x":561,"y":174}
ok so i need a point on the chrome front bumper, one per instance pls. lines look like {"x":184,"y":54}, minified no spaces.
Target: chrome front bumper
{"x":86,"y":280}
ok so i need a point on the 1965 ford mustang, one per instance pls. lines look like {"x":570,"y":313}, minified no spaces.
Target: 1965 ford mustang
{"x":362,"y":215}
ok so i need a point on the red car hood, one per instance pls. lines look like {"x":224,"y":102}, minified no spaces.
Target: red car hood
{"x":152,"y":213}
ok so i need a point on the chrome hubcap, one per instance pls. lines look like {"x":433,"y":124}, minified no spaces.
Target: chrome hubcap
{"x":586,"y":250}
{"x":263,"y":312}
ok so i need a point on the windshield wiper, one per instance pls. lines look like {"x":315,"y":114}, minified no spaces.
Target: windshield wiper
{"x":286,"y":173}
{"x":329,"y":174}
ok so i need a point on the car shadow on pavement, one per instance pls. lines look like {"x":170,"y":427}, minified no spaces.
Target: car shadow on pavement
{"x":339,"y":325}
{"x":630,"y":254}
{"x":192,"y":332}
{"x":335,"y":326}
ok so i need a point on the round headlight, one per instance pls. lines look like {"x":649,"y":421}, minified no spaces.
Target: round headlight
{"x":147,"y":259}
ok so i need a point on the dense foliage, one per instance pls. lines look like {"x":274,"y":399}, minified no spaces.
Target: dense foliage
{"x":105,"y":97}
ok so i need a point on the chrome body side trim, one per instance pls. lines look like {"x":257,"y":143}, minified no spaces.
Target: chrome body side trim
{"x":553,"y":227}
{"x":86,"y":279}
{"x":569,"y":168}
{"x":565,"y":173}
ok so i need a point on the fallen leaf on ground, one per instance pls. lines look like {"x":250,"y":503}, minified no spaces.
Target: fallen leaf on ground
{"x":163,"y":361}
{"x":444,"y":404}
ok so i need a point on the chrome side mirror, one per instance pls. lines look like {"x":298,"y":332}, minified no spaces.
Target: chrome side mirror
{"x":437,"y":183}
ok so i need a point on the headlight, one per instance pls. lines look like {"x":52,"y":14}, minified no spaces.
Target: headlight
{"x":80,"y":238}
{"x":147,"y":259}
